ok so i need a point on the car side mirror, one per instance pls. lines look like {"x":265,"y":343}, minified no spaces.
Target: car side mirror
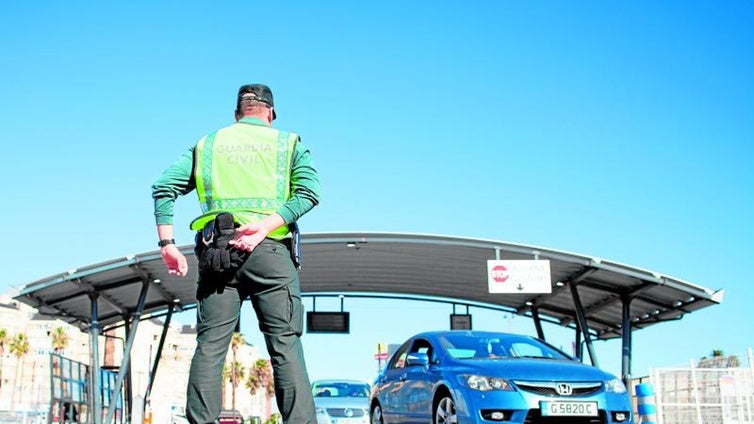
{"x":417,"y":359}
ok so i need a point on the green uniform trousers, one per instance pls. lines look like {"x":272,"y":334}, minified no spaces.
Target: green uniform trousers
{"x":270,"y":279}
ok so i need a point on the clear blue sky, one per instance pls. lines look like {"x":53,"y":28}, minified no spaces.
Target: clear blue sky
{"x":623,"y":130}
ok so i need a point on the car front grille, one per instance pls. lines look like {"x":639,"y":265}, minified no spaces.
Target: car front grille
{"x":346,"y":412}
{"x":545,"y":388}
{"x":534,"y":417}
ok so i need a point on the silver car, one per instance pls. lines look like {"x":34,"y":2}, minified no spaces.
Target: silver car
{"x":341,"y":401}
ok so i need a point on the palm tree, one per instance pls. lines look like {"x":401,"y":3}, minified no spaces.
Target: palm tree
{"x":260,"y":377}
{"x":236,"y":373}
{"x":226,"y":377}
{"x":19,"y":347}
{"x":718,"y":359}
{"x":235,"y":342}
{"x":3,"y":340}
{"x":253,"y":382}
{"x":60,"y":340}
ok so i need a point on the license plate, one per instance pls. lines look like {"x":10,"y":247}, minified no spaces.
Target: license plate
{"x":568,"y":409}
{"x":346,"y":420}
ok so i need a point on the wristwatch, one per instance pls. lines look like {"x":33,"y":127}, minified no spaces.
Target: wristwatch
{"x":165,"y":242}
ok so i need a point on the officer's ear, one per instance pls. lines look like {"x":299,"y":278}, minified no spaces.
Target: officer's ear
{"x":238,"y":115}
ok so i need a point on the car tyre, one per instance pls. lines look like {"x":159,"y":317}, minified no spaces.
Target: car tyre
{"x":377,"y":415}
{"x":445,"y":411}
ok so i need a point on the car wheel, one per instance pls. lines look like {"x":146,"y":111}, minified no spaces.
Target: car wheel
{"x":377,"y":415}
{"x":445,"y":412}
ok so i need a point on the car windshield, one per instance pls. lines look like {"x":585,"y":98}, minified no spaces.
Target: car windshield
{"x":340,"y":389}
{"x":490,"y":346}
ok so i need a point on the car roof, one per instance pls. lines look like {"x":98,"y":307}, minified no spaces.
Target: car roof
{"x":336,"y":380}
{"x":477,"y":333}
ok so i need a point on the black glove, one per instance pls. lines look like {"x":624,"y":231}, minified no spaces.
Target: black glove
{"x":224,"y":233}
{"x":220,"y":259}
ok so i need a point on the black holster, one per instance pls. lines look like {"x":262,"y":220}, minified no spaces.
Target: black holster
{"x":295,"y":244}
{"x":216,"y":258}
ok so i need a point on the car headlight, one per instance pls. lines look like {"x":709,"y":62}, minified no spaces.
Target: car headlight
{"x":615,"y":386}
{"x":485,"y":384}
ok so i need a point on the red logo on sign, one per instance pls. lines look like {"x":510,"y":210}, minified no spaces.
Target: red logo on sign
{"x":499,"y":274}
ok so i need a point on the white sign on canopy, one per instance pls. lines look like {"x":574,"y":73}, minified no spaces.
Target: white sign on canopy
{"x":523,"y":276}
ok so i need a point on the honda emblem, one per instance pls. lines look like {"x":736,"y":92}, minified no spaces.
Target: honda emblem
{"x":564,"y":389}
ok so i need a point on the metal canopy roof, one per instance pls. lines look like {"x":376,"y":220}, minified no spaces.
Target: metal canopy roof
{"x":382,"y":264}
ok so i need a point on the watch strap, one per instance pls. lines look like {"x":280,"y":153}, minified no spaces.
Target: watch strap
{"x":165,"y":242}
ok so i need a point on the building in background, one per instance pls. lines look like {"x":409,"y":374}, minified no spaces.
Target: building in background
{"x":25,"y":379}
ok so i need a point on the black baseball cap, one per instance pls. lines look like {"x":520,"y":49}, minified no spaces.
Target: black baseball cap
{"x":258,"y":92}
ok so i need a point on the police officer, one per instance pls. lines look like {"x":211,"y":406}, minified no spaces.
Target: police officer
{"x":252,"y":181}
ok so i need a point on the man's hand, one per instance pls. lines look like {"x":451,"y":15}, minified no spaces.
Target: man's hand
{"x":174,"y":260}
{"x":249,"y":236}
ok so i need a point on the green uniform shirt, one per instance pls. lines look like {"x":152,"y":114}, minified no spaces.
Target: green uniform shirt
{"x":178,"y":180}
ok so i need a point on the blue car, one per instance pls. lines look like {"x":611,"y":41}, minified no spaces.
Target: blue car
{"x":488,"y":377}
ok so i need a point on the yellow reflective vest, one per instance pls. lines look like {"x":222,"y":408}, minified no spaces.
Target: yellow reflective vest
{"x":244,"y":169}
